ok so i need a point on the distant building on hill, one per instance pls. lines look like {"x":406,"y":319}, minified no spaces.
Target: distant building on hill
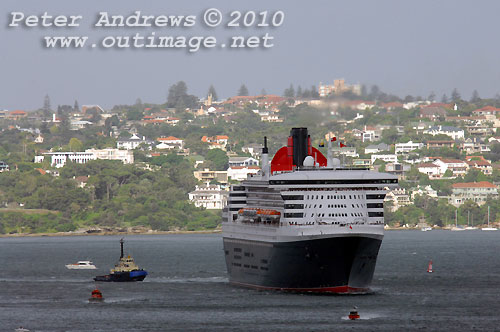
{"x":477,"y":192}
{"x":377,"y":148}
{"x":454,"y":132}
{"x":240,"y":173}
{"x":405,"y":148}
{"x":211,"y":197}
{"x":3,"y":166}
{"x":59,"y":159}
{"x":207,"y":176}
{"x":242,"y":161}
{"x":432,"y":112}
{"x":338,"y":87}
{"x":170,"y":143}
{"x":132,"y":142}
{"x":216,"y":142}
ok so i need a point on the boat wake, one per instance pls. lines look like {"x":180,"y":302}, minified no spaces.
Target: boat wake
{"x":189,"y":280}
{"x":363,"y":316}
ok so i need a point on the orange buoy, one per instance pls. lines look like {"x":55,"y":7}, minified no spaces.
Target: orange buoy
{"x":429,"y":268}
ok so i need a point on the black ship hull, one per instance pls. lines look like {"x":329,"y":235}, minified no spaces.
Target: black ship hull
{"x":123,"y":276}
{"x":343,"y":264}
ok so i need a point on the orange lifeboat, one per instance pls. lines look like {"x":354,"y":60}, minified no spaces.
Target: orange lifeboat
{"x":255,"y":215}
{"x":96,"y":296}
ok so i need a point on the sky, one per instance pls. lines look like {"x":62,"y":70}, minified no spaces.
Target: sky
{"x":404,"y":47}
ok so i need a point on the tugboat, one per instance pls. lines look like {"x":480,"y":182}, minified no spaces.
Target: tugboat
{"x":124,"y":270}
{"x":96,"y":296}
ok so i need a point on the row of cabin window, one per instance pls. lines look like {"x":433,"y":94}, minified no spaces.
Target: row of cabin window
{"x":336,"y":206}
{"x":335,"y":196}
{"x":356,"y":214}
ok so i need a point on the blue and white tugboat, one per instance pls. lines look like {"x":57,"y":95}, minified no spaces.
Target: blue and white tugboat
{"x":124,"y":270}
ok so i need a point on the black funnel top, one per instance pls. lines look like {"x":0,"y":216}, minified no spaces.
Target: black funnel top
{"x":299,"y":137}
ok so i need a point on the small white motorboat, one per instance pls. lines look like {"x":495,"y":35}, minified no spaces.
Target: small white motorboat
{"x":81,"y":265}
{"x":21,"y":329}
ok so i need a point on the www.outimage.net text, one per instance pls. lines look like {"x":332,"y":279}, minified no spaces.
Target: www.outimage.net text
{"x":260,"y":22}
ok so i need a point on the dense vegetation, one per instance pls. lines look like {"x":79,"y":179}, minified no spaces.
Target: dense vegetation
{"x":118,"y":195}
{"x":115,"y":195}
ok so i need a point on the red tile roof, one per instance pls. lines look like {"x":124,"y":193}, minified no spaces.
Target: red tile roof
{"x":83,"y":179}
{"x":451,"y":161}
{"x":427,"y":165}
{"x":169,"y":138}
{"x":482,"y":184}
{"x":241,"y":167}
{"x":487,"y":108}
{"x":18,"y":112}
{"x":42,"y":171}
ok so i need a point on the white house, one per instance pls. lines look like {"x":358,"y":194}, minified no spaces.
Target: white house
{"x":454,"y":132}
{"x":242,"y":161}
{"x":210,"y":197}
{"x":170,"y":142}
{"x":424,"y":191}
{"x":432,"y":170}
{"x":216,"y":142}
{"x":59,"y":159}
{"x":125,"y":156}
{"x":80,"y":124}
{"x":477,"y":192}
{"x":457,"y":167}
{"x":254,"y":149}
{"x":132,"y":142}
{"x":371,"y":134}
{"x":388,"y":158}
{"x":398,"y":197}
{"x":376,"y":148}
{"x":405,"y":148}
{"x":39,"y":139}
{"x":240,"y":173}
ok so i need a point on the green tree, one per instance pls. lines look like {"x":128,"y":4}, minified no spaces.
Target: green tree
{"x":211,"y":91}
{"x":176,"y":93}
{"x":289,"y":92}
{"x":455,"y":95}
{"x":134,"y":114}
{"x":475,"y":97}
{"x":75,"y":144}
{"x":219,"y":159}
{"x":243,"y":91}
{"x":179,"y":98}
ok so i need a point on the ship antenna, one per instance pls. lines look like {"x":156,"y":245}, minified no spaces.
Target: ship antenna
{"x":121,"y":246}
{"x":265,"y":159}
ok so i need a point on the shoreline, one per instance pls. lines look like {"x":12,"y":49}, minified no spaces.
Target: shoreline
{"x":151,"y":232}
{"x":214,"y":231}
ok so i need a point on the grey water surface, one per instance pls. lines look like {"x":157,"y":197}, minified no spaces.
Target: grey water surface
{"x":187,"y":288}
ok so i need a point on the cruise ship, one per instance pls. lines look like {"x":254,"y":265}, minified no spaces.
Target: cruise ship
{"x":305,"y":223}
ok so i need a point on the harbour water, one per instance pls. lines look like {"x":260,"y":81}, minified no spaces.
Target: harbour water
{"x":187,"y":288}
